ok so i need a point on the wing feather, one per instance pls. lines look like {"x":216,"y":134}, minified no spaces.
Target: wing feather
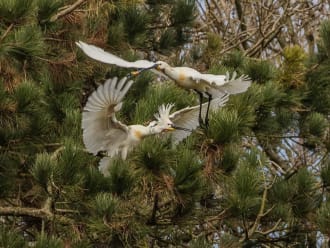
{"x":106,"y":57}
{"x":188,"y":117}
{"x":224,"y":83}
{"x":101,"y":130}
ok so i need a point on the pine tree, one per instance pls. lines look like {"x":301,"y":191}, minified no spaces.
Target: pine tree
{"x":258,"y":176}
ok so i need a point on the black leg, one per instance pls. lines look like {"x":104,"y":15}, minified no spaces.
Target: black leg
{"x":200,"y":119}
{"x":207,"y":110}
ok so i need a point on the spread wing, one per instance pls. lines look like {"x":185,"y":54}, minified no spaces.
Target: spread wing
{"x":106,"y":57}
{"x":188,"y":117}
{"x":225,"y":83}
{"x":101,"y":130}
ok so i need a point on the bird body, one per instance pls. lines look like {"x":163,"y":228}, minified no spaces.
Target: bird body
{"x":103,"y":132}
{"x":134,"y":136}
{"x":185,"y":77}
{"x":215,"y":85}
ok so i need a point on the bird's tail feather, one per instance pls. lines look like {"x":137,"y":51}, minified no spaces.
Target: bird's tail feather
{"x":104,"y":165}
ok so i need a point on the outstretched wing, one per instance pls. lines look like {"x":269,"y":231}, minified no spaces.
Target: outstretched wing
{"x":188,"y":117}
{"x":106,"y":57}
{"x":101,"y":130}
{"x":225,"y":83}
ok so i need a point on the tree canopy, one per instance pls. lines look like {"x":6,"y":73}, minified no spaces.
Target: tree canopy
{"x":259,"y":176}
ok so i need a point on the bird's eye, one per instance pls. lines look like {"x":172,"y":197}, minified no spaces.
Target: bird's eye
{"x":153,"y":124}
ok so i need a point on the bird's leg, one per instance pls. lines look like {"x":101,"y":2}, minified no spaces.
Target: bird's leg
{"x":200,"y":119}
{"x":207,"y":110}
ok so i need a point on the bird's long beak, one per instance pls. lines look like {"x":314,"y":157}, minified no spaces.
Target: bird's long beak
{"x":137,"y":72}
{"x":181,"y":128}
{"x":169,"y":129}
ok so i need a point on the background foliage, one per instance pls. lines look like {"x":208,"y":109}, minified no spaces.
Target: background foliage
{"x":258,"y":177}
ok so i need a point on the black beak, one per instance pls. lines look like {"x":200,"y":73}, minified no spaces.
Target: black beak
{"x":181,"y":128}
{"x":137,"y":72}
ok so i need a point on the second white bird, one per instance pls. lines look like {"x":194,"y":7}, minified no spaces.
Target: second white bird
{"x":103,"y":132}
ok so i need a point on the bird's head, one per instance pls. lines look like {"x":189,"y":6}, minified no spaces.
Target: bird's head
{"x":160,"y":127}
{"x":161,"y":66}
{"x":162,"y":122}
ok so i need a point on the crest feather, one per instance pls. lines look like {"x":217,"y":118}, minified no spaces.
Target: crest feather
{"x":163,"y":112}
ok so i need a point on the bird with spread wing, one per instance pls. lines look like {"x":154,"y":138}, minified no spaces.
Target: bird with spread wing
{"x":206,"y":85}
{"x":103,"y":132}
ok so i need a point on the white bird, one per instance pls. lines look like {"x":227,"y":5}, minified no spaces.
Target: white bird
{"x":206,"y":85}
{"x":103,"y":132}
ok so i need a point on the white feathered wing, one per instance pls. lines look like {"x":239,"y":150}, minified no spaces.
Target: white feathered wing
{"x":101,"y":130}
{"x":224,"y":83}
{"x":188,"y":117}
{"x":106,"y":57}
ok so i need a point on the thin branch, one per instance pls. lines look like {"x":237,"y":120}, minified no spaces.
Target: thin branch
{"x":7,"y":31}
{"x":33,"y":212}
{"x":274,"y":157}
{"x":152,"y":220}
{"x":260,"y":214}
{"x":67,"y":10}
{"x":243,"y":27}
{"x":271,"y":229}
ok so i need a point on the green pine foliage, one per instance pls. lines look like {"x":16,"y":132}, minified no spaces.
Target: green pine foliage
{"x":11,"y":238}
{"x":325,"y":174}
{"x":42,"y":169}
{"x":225,"y":126}
{"x":158,"y":94}
{"x":49,"y":242}
{"x":14,"y":11}
{"x":323,"y":217}
{"x":46,"y":9}
{"x":152,"y":156}
{"x":293,"y":68}
{"x":234,"y":60}
{"x":257,"y":176}
{"x":325,"y":35}
{"x":121,"y":178}
{"x":25,"y":43}
{"x":260,"y":71}
{"x":229,"y":159}
{"x":105,"y":205}
{"x":244,"y":191}
{"x":187,"y":177}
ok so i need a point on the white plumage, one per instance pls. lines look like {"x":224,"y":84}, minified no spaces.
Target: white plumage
{"x":103,"y":132}
{"x":206,"y":85}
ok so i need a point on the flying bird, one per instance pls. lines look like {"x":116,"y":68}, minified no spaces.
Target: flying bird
{"x":103,"y":132}
{"x":206,"y":85}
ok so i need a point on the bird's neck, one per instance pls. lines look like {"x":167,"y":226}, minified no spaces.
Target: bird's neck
{"x":140,"y":131}
{"x":170,"y":72}
{"x":176,"y":74}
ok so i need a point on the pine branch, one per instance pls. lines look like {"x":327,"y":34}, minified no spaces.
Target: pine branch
{"x":42,"y":213}
{"x":273,"y":156}
{"x":152,"y":220}
{"x":261,"y":214}
{"x":243,"y":27}
{"x":67,"y":10}
{"x":271,"y":229}
{"x":7,"y":31}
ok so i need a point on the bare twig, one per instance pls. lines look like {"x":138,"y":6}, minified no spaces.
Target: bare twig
{"x":7,"y":31}
{"x":42,"y":213}
{"x":67,"y":10}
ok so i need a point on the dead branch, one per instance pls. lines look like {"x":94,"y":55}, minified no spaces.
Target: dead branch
{"x":67,"y":11}
{"x":277,"y":24}
{"x":41,"y":213}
